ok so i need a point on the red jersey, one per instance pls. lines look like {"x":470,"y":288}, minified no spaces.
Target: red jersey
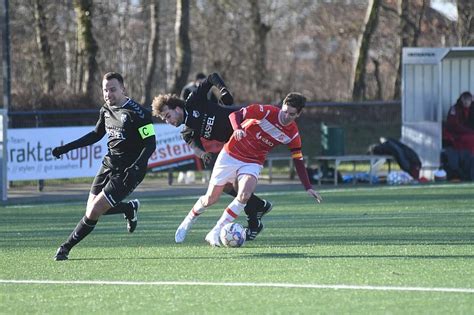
{"x":264,"y":131}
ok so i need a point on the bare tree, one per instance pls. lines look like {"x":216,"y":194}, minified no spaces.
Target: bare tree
{"x":152,"y":52}
{"x":358,"y":92}
{"x":183,"y":46}
{"x":87,"y":46}
{"x":46,"y":62}
{"x":259,"y":32}
{"x":410,"y":30}
{"x":465,"y":24}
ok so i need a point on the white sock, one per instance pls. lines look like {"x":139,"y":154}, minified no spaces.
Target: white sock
{"x":230,"y":213}
{"x":197,"y":210}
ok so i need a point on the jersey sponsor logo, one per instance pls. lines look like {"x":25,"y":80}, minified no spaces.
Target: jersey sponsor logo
{"x":263,"y":139}
{"x":115,"y":134}
{"x":123,"y":118}
{"x":146,"y":131}
{"x":196,"y":114}
{"x":208,"y":127}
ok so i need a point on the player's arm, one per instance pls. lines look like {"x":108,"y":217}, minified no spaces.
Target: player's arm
{"x":226,"y":96}
{"x":236,"y":118}
{"x":88,"y":139}
{"x":147,"y":133}
{"x":194,"y":141}
{"x":297,"y":156}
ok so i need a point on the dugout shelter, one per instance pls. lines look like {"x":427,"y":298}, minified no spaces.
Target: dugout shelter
{"x":432,"y":80}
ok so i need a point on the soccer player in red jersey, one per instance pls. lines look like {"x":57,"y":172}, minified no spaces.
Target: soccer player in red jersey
{"x":257,"y":130}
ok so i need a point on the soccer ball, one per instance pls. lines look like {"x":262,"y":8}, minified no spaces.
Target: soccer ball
{"x":232,"y":235}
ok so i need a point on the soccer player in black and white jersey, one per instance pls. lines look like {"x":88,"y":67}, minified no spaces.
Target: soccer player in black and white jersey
{"x":131,"y":141}
{"x":206,"y":120}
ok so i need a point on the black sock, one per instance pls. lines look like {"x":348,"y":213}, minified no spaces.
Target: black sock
{"x":255,"y":203}
{"x":121,"y":207}
{"x":83,"y":228}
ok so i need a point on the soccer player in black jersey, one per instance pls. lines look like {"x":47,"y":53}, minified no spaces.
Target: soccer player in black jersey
{"x":131,"y":141}
{"x":205,"y":120}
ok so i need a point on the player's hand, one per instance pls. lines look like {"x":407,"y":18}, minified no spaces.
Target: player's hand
{"x":313,"y":193}
{"x":239,"y":134}
{"x":226,"y":96}
{"x":131,"y":173}
{"x":206,"y":158}
{"x":58,"y":151}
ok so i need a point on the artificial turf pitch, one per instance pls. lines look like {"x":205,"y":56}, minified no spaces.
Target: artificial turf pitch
{"x":377,"y":250}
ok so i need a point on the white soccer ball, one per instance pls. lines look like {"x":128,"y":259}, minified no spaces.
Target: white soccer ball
{"x":232,"y":235}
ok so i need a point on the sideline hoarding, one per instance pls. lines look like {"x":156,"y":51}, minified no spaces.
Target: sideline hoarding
{"x":29,"y":155}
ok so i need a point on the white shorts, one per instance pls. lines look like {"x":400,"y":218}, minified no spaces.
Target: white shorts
{"x":227,"y":169}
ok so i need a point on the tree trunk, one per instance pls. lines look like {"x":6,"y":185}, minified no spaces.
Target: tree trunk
{"x":46,"y":61}
{"x":123,"y":22}
{"x":358,"y":92}
{"x":260,"y":31}
{"x":151,"y":53}
{"x":409,"y":34}
{"x":465,"y":25}
{"x":87,"y":46}
{"x":183,"y":47}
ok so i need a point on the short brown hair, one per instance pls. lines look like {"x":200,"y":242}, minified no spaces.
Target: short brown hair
{"x":296,"y":100}
{"x":162,"y":100}
{"x":113,"y":75}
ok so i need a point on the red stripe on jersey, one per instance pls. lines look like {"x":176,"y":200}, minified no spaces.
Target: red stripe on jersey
{"x":263,"y":133}
{"x":231,"y":213}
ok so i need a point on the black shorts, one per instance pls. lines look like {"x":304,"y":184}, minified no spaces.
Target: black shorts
{"x":112,"y":183}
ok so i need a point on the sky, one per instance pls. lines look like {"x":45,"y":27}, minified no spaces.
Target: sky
{"x":446,"y":7}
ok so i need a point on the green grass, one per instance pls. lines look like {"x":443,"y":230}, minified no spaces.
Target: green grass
{"x":414,"y":236}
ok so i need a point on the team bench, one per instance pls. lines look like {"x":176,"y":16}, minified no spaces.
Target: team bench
{"x":336,"y":160}
{"x":280,"y":157}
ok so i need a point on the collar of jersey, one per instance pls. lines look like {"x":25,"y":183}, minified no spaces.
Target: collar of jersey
{"x":185,"y":113}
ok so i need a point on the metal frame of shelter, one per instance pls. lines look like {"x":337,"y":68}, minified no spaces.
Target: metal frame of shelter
{"x":432,"y":80}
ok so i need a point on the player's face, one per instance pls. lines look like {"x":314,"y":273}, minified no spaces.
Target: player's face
{"x":288,"y":114}
{"x":466,"y":101}
{"x":114,"y":92}
{"x":172,"y":116}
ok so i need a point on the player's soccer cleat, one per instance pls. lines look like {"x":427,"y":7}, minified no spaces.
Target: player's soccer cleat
{"x":183,"y":229}
{"x":61,"y":254}
{"x":251,"y":234}
{"x":213,"y":238}
{"x":267,"y":207}
{"x":132,"y":221}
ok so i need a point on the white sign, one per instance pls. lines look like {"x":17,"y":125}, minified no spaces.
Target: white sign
{"x":29,"y":155}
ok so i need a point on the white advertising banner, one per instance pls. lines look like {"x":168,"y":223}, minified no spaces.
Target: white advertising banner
{"x":30,"y":152}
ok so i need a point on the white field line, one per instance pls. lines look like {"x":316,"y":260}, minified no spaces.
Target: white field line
{"x":241,"y":284}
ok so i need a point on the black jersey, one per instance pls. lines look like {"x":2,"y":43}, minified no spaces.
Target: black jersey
{"x":206,"y":118}
{"x":131,"y":136}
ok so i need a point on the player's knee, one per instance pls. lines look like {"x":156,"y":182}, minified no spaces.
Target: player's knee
{"x":209,"y":200}
{"x":243,"y":196}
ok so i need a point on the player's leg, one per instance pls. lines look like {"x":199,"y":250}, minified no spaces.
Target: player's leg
{"x":96,"y":205}
{"x":211,"y":197}
{"x":107,"y":191}
{"x":247,"y":184}
{"x":130,"y":212}
{"x":255,"y":209}
{"x":117,"y":189}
